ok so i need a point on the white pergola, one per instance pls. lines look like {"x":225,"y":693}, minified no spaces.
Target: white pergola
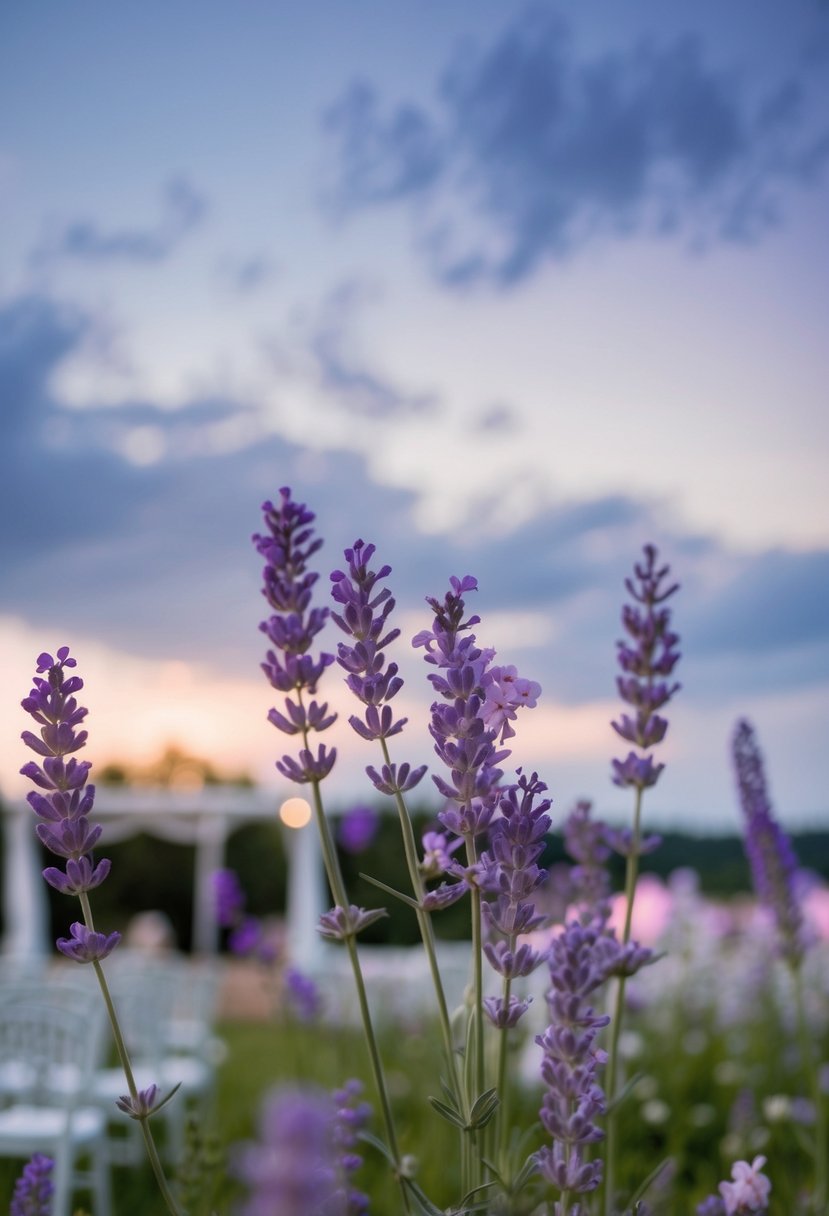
{"x":202,"y":817}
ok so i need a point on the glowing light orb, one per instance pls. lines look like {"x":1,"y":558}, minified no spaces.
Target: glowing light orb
{"x":295,"y":812}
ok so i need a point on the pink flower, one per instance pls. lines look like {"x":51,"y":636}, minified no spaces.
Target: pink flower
{"x":749,"y":1192}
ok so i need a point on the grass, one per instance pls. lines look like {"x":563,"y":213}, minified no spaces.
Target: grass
{"x":699,"y":1076}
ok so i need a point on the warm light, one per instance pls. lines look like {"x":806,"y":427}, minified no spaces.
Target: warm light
{"x":295,"y":812}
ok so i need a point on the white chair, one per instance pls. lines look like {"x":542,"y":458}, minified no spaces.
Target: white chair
{"x":79,"y":997}
{"x":145,"y":995}
{"x":52,"y":1053}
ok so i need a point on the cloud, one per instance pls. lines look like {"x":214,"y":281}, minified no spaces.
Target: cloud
{"x":152,"y":555}
{"x":246,"y":275}
{"x":183,"y":210}
{"x":531,"y":150}
{"x":776,"y":601}
{"x":343,"y":376}
{"x":498,"y":419}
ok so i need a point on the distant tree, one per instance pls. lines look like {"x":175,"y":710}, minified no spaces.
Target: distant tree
{"x":174,"y":769}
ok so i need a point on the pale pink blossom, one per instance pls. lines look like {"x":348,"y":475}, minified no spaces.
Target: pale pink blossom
{"x":749,"y":1192}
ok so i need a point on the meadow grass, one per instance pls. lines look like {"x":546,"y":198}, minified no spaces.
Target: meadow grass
{"x":685,"y":1106}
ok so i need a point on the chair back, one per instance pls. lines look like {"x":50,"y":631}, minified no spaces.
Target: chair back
{"x":47,"y":1052}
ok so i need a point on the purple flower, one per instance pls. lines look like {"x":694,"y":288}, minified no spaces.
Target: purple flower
{"x":365,"y":611}
{"x":87,"y":946}
{"x":506,"y":693}
{"x":65,"y":805}
{"x":342,"y":923}
{"x":586,"y":841}
{"x":358,"y":828}
{"x":749,"y":1191}
{"x":437,"y":853}
{"x":34,"y":1188}
{"x":509,"y":875}
{"x":504,"y":1014}
{"x":712,"y":1206}
{"x":229,"y":898}
{"x":292,"y":1168}
{"x":771,"y":856}
{"x":292,"y":629}
{"x":302,"y":994}
{"x":646,"y":666}
{"x":464,"y":740}
{"x":395,"y":778}
{"x":141,"y":1106}
{"x":351,"y":1117}
{"x":573,"y":1100}
{"x":246,"y":936}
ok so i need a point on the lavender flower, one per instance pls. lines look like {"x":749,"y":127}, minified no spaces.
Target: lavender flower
{"x":646,"y":666}
{"x":292,"y":629}
{"x":574,"y":1099}
{"x":351,"y":1117}
{"x":460,"y":725}
{"x":510,"y":873}
{"x":34,"y":1188}
{"x":770,"y":853}
{"x":64,"y":808}
{"x":229,"y":898}
{"x":437,"y":853}
{"x":340,"y":923}
{"x":85,"y":945}
{"x":365,"y":612}
{"x":748,"y":1192}
{"x":585,"y":839}
{"x":141,"y":1106}
{"x":358,"y":828}
{"x":302,"y":995}
{"x":292,"y":1168}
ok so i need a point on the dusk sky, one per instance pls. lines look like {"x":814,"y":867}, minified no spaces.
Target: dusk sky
{"x":509,"y":290}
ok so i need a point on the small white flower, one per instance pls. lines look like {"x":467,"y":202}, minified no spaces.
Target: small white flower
{"x":777,"y":1108}
{"x":656,"y":1111}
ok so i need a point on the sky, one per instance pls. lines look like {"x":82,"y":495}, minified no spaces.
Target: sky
{"x":506,"y":289}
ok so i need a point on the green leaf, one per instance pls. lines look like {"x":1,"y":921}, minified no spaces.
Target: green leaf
{"x":470,"y":1204}
{"x":426,"y":1205}
{"x":651,"y":1178}
{"x":371,"y":1139}
{"x":406,"y":899}
{"x":484,"y":1108}
{"x":448,"y":1113}
{"x":625,"y":1092}
{"x":165,"y":1100}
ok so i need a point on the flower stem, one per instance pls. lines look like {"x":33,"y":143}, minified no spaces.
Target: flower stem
{"x":427,"y":934}
{"x":813,"y":1082}
{"x":123,"y":1056}
{"x":477,"y":1028}
{"x":337,"y":884}
{"x":631,"y":874}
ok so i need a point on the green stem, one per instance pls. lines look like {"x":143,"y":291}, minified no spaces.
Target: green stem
{"x":427,"y":933}
{"x":503,"y":1091}
{"x":813,"y":1082}
{"x":123,"y":1056}
{"x":478,"y":989}
{"x":631,"y":874}
{"x":337,"y":884}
